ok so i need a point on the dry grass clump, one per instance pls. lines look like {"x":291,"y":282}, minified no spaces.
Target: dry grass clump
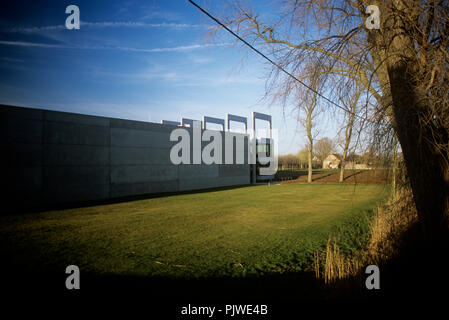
{"x":337,"y":265}
{"x":389,"y":225}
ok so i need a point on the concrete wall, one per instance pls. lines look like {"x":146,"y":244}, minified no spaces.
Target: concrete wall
{"x":52,"y":158}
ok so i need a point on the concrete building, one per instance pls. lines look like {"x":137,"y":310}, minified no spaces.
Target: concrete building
{"x":53,"y":158}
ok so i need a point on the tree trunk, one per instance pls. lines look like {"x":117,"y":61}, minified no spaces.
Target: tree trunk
{"x":343,"y":162}
{"x":348,"y":134}
{"x":393,"y":178}
{"x":310,"y":144}
{"x":408,"y":107}
{"x":309,"y":173}
{"x":427,"y":169}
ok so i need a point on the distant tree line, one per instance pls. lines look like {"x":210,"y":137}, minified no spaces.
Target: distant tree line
{"x":325,"y":146}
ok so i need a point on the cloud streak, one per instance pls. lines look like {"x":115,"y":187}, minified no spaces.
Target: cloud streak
{"x":108,"y":24}
{"x":33,"y":44}
{"x":179,"y":78}
{"x":151,"y":50}
{"x":173,"y":49}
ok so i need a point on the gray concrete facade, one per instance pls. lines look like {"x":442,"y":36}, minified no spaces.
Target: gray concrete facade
{"x":52,"y":158}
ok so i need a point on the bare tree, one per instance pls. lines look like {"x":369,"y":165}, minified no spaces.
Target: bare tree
{"x":324,"y":147}
{"x":352,"y":107}
{"x":309,"y":106}
{"x":401,"y":68}
{"x":411,"y":53}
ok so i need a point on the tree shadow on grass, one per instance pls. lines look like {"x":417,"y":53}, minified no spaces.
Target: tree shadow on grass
{"x":409,"y":278}
{"x":298,"y":286}
{"x":415,"y":276}
{"x":352,"y":175}
{"x":9,"y":209}
{"x":284,"y":295}
{"x":322,"y":176}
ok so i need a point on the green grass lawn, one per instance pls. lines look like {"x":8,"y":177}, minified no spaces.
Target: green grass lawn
{"x":241,"y":231}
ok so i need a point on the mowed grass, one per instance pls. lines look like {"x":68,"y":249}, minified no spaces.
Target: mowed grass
{"x":234,"y":232}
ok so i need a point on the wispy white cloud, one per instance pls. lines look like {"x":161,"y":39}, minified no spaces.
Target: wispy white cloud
{"x":35,"y":29}
{"x":32,"y":44}
{"x":108,"y":24}
{"x":153,"y":11}
{"x":173,"y":49}
{"x":200,"y":60}
{"x":143,"y":25}
{"x":152,"y":73}
{"x":150,"y":50}
{"x":220,"y":81}
{"x":177,"y":78}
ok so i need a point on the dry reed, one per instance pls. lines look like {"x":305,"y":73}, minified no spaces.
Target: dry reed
{"x":389,"y":224}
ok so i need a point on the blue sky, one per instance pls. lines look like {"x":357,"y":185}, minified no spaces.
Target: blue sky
{"x":140,"y":60}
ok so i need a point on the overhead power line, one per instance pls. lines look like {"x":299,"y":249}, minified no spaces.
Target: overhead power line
{"x":271,"y":61}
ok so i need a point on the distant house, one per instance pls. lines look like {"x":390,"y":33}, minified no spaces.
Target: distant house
{"x":332,"y":161}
